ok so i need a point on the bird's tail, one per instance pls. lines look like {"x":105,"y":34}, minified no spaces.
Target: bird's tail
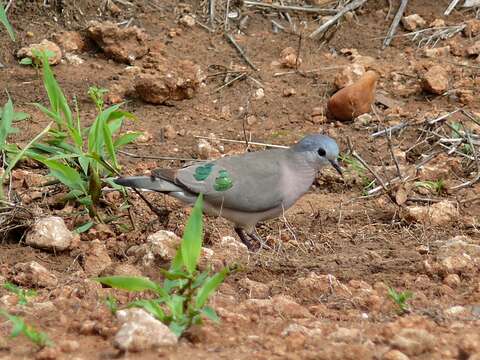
{"x":148,"y":183}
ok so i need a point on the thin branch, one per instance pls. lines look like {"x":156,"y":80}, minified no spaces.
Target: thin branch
{"x":364,"y":163}
{"x":243,"y":142}
{"x":240,"y":51}
{"x":155,"y":157}
{"x":394,"y":25}
{"x":351,"y":6}
{"x":450,"y":8}
{"x":290,"y":8}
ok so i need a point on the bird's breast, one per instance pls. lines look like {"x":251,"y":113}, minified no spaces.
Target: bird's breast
{"x":295,"y":182}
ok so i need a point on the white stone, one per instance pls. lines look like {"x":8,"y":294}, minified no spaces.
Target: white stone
{"x":141,"y":331}
{"x":50,"y":233}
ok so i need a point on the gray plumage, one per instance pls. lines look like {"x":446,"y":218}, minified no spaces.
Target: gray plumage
{"x":247,"y":188}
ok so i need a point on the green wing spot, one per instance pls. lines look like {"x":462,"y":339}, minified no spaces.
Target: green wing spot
{"x":203,"y":172}
{"x":223,"y":182}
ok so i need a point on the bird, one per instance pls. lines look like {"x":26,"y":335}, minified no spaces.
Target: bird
{"x":248,"y":188}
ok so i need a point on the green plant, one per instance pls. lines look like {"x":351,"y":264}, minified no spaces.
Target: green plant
{"x":356,"y":167}
{"x":23,"y":295}
{"x":11,"y":152}
{"x":82,"y":158}
{"x":36,"y":60}
{"x":6,"y":23}
{"x":456,"y":134}
{"x":20,"y":327}
{"x":112,"y":304}
{"x":400,"y":299}
{"x":181,"y":300}
{"x":437,"y":186}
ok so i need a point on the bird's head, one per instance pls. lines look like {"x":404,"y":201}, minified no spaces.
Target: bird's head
{"x":319,"y":150}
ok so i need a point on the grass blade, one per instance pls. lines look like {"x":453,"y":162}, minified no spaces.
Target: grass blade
{"x":6,"y":23}
{"x":130,"y":283}
{"x":192,"y":237}
{"x":210,"y":286}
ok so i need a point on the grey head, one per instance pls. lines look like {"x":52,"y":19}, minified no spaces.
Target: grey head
{"x":319,"y":150}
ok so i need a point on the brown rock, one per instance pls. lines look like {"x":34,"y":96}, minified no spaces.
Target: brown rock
{"x":413,"y":22}
{"x":348,"y":75}
{"x":45,"y":45}
{"x":32,"y":274}
{"x":169,"y":132}
{"x":70,"y":41}
{"x":255,"y":289}
{"x":452,"y":280}
{"x":437,"y":52}
{"x":289,"y":58}
{"x":177,"y":81}
{"x":435,"y":80}
{"x":441,"y":213}
{"x":96,"y":259}
{"x":394,"y":355}
{"x":413,"y":341}
{"x":473,"y":28}
{"x":121,"y":44}
{"x":50,"y":233}
{"x":354,"y":100}
{"x":469,"y":344}
{"x":474,"y":50}
{"x":287,"y":307}
{"x":437,"y":23}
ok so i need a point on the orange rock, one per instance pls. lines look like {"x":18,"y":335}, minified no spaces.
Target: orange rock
{"x":355,"y":99}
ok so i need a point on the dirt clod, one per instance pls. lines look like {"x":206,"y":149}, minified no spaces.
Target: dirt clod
{"x":50,"y":233}
{"x":121,"y":44}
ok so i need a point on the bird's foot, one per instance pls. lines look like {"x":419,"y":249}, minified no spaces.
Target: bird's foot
{"x":246,"y":238}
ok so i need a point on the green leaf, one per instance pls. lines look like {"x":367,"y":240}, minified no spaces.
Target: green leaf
{"x":191,"y":245}
{"x":20,"y":116}
{"x":210,"y":313}
{"x":133,"y":283}
{"x":6,"y":124}
{"x":174,"y":275}
{"x":107,"y":138}
{"x":26,"y":61}
{"x":6,"y":23}
{"x":67,"y":175}
{"x":151,"y":306}
{"x":126,"y":139}
{"x":177,"y":328}
{"x":175,"y":304}
{"x":210,"y":286}
{"x":84,"y":227}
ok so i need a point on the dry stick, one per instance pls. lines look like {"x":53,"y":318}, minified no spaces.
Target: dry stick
{"x":8,"y":6}
{"x":227,"y":10}
{"x":451,"y":7}
{"x":211,"y":11}
{"x":242,"y":75}
{"x":351,"y":6}
{"x":394,"y":25}
{"x":364,"y":163}
{"x":155,"y":157}
{"x":307,"y":71}
{"x":290,"y":8}
{"x":242,"y":142}
{"x":240,"y":50}
{"x":390,"y":130}
{"x":443,"y":117}
{"x":390,"y":146}
{"x":477,"y":161}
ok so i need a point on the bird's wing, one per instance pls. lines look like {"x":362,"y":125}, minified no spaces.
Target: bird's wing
{"x":250,"y":182}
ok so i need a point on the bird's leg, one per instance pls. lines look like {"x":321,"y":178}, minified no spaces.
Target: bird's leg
{"x":257,"y":238}
{"x":244,"y":238}
{"x":162,"y":213}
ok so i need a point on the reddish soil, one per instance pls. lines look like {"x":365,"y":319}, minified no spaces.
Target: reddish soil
{"x":366,"y":244}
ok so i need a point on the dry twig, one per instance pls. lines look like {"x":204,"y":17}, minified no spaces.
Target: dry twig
{"x":394,"y":25}
{"x":240,"y":51}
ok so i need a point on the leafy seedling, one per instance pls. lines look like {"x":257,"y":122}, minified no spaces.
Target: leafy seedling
{"x":82,"y":158}
{"x":20,"y":327}
{"x":437,"y":186}
{"x":181,"y":300}
{"x":36,"y":59}
{"x":23,"y":295}
{"x":400,"y":299}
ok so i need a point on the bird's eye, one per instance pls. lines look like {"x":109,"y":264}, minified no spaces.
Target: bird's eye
{"x":321,"y":152}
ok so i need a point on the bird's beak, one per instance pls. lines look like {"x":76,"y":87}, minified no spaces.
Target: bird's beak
{"x":336,"y":166}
